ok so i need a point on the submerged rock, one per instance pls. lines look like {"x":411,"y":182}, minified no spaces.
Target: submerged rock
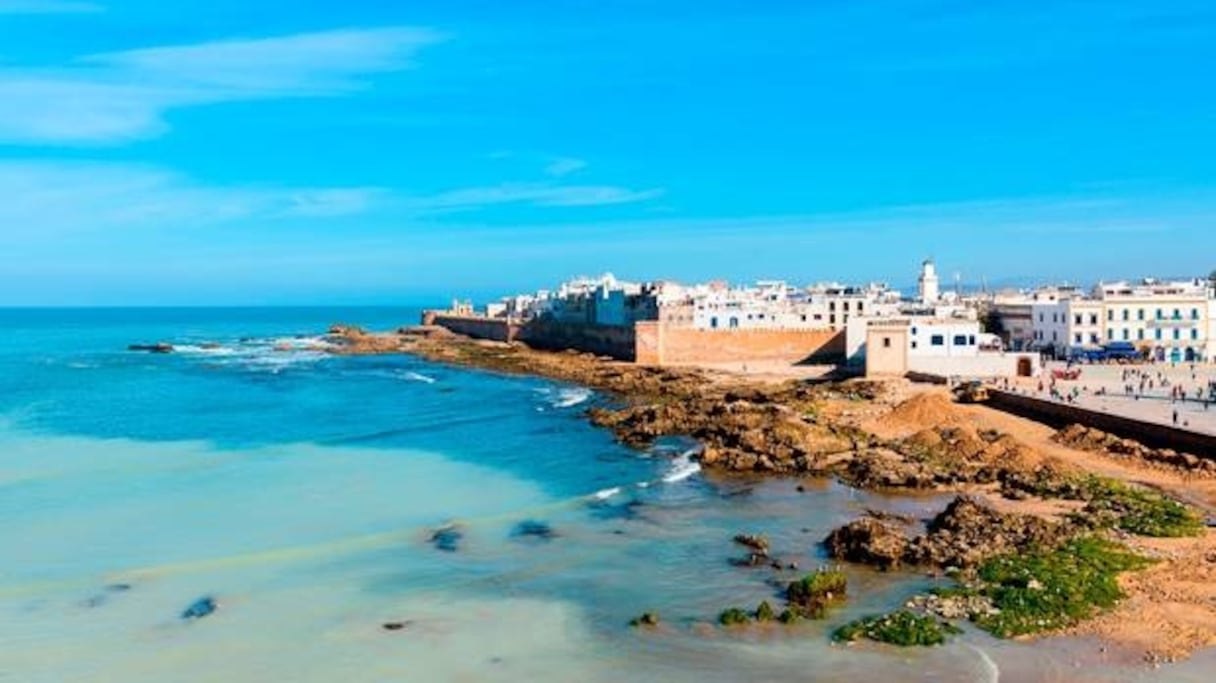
{"x":447,"y":538}
{"x":200,"y":608}
{"x":647,"y":619}
{"x":396,"y":625}
{"x":152,"y":348}
{"x":534,"y":529}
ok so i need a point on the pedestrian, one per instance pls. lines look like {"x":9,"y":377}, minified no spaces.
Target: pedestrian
{"x":1175,"y":418}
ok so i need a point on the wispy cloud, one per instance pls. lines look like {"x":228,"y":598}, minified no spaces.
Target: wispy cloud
{"x":47,"y":201}
{"x":565,"y":166}
{"x":48,"y":7}
{"x":531,"y":194}
{"x":124,"y":95}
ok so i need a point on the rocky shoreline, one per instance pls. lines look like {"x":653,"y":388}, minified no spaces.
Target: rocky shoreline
{"x":921,"y":443}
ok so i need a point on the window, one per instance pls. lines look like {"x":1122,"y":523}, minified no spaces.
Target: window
{"x":1194,"y":333}
{"x":1110,"y":334}
{"x":1076,"y":338}
{"x":960,"y":340}
{"x":1041,"y":318}
{"x":1126,"y":313}
{"x":1177,"y":333}
{"x":804,"y":317}
{"x":1158,"y":335}
{"x":1194,"y":314}
{"x":913,"y":344}
{"x":1160,"y":314}
{"x":1077,"y":319}
{"x":971,"y":340}
{"x":1055,"y":337}
{"x":1140,"y":314}
{"x":913,"y":331}
{"x":734,"y":323}
{"x":1110,"y":315}
{"x":832,"y":319}
{"x":1140,"y":334}
{"x":1126,"y":334}
{"x":886,"y":342}
{"x":1093,"y":338}
{"x":1177,"y":314}
{"x":860,"y":306}
{"x":713,"y":323}
{"x":1093,"y":318}
{"x":832,"y":306}
{"x":937,"y":340}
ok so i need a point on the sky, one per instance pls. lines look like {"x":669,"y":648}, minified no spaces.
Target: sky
{"x":365,"y":152}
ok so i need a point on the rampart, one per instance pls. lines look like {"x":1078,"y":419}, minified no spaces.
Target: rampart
{"x":653,"y":342}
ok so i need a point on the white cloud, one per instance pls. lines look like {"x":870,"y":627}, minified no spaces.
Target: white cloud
{"x":49,"y":201}
{"x":531,"y":194}
{"x":125,"y":95}
{"x":562,"y":167}
{"x":46,"y":201}
{"x":48,"y":7}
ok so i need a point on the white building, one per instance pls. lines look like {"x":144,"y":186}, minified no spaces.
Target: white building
{"x":926,"y":336}
{"x":767,"y":305}
{"x":1169,"y":321}
{"x":943,"y":347}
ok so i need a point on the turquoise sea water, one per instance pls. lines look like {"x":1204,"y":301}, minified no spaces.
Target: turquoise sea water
{"x":300,"y":490}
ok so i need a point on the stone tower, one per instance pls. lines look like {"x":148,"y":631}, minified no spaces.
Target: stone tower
{"x":930,"y":287}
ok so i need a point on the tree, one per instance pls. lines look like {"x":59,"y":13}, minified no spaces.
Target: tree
{"x":991,"y":322}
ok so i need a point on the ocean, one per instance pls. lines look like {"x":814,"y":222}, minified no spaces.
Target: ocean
{"x":300,"y":493}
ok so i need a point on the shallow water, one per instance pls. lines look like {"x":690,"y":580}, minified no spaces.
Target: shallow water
{"x":300,"y":491}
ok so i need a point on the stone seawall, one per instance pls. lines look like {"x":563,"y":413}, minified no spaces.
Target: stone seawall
{"x":655,"y":343}
{"x":603,"y":340}
{"x":474,"y":326}
{"x":1059,"y":415}
{"x":660,"y":344}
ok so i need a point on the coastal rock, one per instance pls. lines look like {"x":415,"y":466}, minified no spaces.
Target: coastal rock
{"x":648,"y":619}
{"x":756,"y":542}
{"x":152,"y":348}
{"x":963,"y":535}
{"x":1094,"y":440}
{"x":968,"y":532}
{"x":868,"y":541}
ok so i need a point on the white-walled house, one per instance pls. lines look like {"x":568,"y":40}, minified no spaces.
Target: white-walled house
{"x":943,"y":347}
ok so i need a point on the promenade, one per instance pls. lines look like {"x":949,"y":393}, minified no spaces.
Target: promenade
{"x":1145,"y":392}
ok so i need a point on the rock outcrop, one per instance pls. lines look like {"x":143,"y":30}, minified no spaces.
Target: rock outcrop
{"x":1097,"y":441}
{"x":963,"y":535}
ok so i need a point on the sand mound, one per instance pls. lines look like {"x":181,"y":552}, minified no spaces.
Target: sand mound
{"x":923,"y":411}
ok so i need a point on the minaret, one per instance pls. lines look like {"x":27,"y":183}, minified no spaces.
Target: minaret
{"x":929,"y":285}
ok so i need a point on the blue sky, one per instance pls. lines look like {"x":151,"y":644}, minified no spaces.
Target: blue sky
{"x":369,"y":152}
